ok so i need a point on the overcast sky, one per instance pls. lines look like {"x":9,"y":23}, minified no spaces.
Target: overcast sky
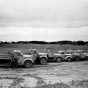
{"x":48,"y":20}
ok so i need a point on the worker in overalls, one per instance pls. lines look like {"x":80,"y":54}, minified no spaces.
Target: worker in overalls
{"x":13,"y":60}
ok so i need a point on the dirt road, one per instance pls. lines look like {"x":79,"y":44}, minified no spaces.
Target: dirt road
{"x":69,"y":75}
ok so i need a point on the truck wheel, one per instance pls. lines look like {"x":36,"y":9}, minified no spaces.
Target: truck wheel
{"x":43,"y":61}
{"x":77,"y":58}
{"x":28,"y":64}
{"x":58,"y":59}
{"x":69,"y":59}
{"x":86,"y":58}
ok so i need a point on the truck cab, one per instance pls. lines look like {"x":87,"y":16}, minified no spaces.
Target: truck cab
{"x":39,"y":57}
{"x":26,"y":60}
{"x":82,"y":54}
{"x":53,"y":56}
{"x":66,"y":56}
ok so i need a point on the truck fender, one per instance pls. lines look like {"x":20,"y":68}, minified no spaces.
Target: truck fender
{"x":86,"y":55}
{"x":57,"y":57}
{"x":86,"y":58}
{"x":68,"y":57}
{"x":27,"y":59}
{"x":44,"y":57}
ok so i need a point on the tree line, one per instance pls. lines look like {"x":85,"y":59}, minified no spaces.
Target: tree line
{"x":44,"y":42}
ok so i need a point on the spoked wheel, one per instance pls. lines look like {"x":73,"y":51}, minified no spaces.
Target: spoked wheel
{"x":69,"y":59}
{"x":58,"y":59}
{"x":43,"y":61}
{"x":28,"y":64}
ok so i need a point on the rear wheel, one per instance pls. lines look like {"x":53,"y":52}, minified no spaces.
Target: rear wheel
{"x":86,"y":58}
{"x":77,"y":58}
{"x":58,"y":59}
{"x":69,"y":59}
{"x":28,"y":64}
{"x":43,"y":61}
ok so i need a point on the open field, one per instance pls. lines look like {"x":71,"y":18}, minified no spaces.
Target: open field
{"x":4,"y":48}
{"x":52,"y":75}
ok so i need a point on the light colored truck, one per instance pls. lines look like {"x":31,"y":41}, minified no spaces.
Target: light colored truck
{"x":16,"y":58}
{"x":82,"y":54}
{"x":30,"y":58}
{"x":39,"y":57}
{"x":78,"y":55}
{"x":66,"y":56}
{"x":25,"y":60}
{"x":58,"y":57}
{"x":75,"y":56}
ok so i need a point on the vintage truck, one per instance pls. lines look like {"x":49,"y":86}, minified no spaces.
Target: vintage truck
{"x":59,"y":56}
{"x":39,"y":57}
{"x":82,"y":54}
{"x":78,"y":55}
{"x":30,"y":58}
{"x":27,"y":59}
{"x":17,"y":58}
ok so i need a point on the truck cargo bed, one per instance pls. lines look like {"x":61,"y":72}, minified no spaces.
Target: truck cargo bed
{"x":5,"y":58}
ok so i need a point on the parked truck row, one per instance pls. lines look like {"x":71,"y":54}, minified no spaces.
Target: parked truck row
{"x":34,"y":57}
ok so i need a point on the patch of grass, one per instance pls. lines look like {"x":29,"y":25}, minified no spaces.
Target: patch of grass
{"x":16,"y":82}
{"x":74,"y":84}
{"x":40,"y":47}
{"x":62,"y":74}
{"x":86,"y":63}
{"x":40,"y":82}
{"x":79,"y":84}
{"x":7,"y":78}
{"x":57,"y":85}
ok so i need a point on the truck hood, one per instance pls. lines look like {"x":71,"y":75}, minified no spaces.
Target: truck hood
{"x":42,"y":53}
{"x":61,"y":54}
{"x":56,"y":54}
{"x":27,"y":56}
{"x":68,"y":54}
{"x":85,"y":53}
{"x":76,"y":53}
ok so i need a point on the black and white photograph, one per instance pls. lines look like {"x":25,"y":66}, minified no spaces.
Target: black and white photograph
{"x":43,"y":43}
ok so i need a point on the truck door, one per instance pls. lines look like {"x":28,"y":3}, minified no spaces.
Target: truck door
{"x":81,"y":54}
{"x":19,"y":58}
{"x":63,"y":55}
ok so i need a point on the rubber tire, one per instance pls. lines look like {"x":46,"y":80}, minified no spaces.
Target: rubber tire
{"x":43,"y":61}
{"x":86,"y":58}
{"x":77,"y":59}
{"x":69,"y":59}
{"x":28,"y":64}
{"x":58,"y":59}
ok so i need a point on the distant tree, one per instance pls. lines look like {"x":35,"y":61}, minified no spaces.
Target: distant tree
{"x":80,"y":42}
{"x":65,"y":42}
{"x":44,"y":42}
{"x":86,"y":42}
{"x":6,"y":42}
{"x":13,"y":42}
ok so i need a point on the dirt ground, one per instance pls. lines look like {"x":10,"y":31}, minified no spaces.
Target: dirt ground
{"x":52,"y":75}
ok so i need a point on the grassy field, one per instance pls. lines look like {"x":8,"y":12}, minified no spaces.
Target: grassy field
{"x":4,"y":48}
